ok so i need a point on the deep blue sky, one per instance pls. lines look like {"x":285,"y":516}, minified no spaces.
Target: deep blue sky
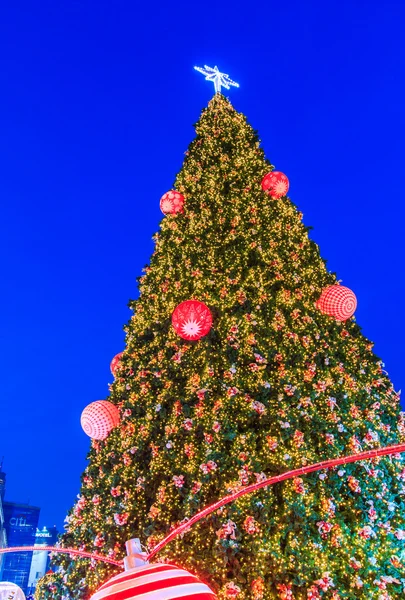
{"x":97,"y":104}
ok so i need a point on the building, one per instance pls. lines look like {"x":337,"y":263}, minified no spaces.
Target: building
{"x":3,"y":537}
{"x":2,"y":482}
{"x":21,"y":522}
{"x":40,"y":558}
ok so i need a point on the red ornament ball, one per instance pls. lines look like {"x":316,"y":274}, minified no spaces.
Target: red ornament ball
{"x":337,"y":301}
{"x":172,"y":202}
{"x":155,"y":582}
{"x":99,"y":418}
{"x":276,"y":184}
{"x":116,"y":363}
{"x":192,"y":319}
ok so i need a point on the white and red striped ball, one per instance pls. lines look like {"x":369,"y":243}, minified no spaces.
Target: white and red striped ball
{"x":337,"y":301}
{"x":276,"y":184}
{"x":192,"y":320}
{"x":172,"y":202}
{"x":116,"y":363}
{"x":99,"y":418}
{"x":154,"y":582}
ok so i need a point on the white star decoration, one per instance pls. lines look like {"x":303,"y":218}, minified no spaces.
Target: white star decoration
{"x":219,"y":79}
{"x":191,"y":328}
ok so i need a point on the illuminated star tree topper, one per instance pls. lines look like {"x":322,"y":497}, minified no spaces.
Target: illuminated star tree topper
{"x":219,"y":79}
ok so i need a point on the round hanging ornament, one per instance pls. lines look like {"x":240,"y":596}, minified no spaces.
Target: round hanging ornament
{"x":99,"y":418}
{"x":337,"y":301}
{"x":10,"y":591}
{"x":115,"y":364}
{"x":192,"y":320}
{"x":172,"y":202}
{"x":154,"y":582}
{"x":276,"y":184}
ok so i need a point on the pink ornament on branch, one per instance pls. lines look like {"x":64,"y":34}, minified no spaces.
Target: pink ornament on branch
{"x":276,"y":184}
{"x":116,"y":363}
{"x":99,"y":418}
{"x":172,"y":202}
{"x":337,"y":301}
{"x":192,"y":320}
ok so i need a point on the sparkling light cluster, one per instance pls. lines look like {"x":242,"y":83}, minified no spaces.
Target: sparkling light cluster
{"x":218,"y":79}
{"x":276,"y":385}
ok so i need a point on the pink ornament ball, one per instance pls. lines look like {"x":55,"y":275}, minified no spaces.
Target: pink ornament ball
{"x":337,"y":301}
{"x":154,"y":582}
{"x":276,"y":184}
{"x":171,"y":203}
{"x":99,"y":418}
{"x":115,"y":364}
{"x":192,"y":320}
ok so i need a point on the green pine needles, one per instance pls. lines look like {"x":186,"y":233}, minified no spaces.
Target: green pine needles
{"x":275,"y":385}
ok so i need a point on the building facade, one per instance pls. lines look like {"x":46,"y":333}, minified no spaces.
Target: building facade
{"x":3,"y":537}
{"x":40,"y":558}
{"x":21,"y":522}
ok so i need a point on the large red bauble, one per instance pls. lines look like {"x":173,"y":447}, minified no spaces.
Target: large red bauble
{"x":192,"y":319}
{"x":99,"y":418}
{"x":172,"y":202}
{"x":116,"y":363}
{"x":154,"y":582}
{"x":276,"y":184}
{"x":337,"y":301}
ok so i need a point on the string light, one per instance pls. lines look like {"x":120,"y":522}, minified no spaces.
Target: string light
{"x":327,"y":464}
{"x":219,"y":79}
{"x":57,"y":549}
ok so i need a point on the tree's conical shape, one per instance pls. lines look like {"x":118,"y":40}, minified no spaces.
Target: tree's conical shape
{"x":275,"y":385}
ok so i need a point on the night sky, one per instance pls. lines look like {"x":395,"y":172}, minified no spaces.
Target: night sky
{"x":96,"y":110}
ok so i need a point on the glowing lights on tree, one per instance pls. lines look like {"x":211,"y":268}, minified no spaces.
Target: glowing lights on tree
{"x":337,"y":301}
{"x":99,"y":418}
{"x":172,"y":203}
{"x":326,"y":464}
{"x":202,"y":409}
{"x":276,"y":184}
{"x":219,"y":79}
{"x":169,"y":582}
{"x":134,"y":558}
{"x":192,"y":320}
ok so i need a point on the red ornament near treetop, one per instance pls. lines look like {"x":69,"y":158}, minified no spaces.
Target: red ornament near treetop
{"x":337,"y":301}
{"x":192,"y":320}
{"x":172,"y":202}
{"x":99,"y":418}
{"x":154,"y":582}
{"x":116,"y":363}
{"x":276,"y":184}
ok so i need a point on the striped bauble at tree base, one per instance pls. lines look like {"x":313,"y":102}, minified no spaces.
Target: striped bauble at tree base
{"x":154,"y":582}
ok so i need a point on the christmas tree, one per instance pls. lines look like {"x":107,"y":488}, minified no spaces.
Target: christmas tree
{"x":275,"y":384}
